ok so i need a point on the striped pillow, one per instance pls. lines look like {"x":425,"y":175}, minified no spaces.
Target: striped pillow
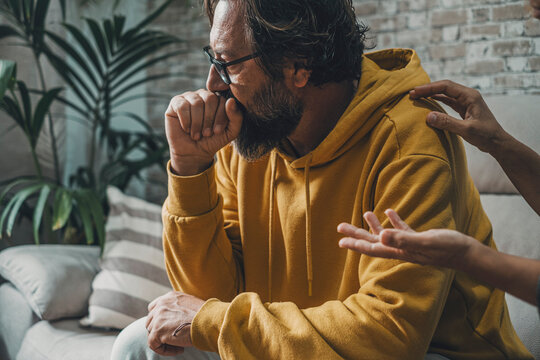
{"x":132,"y":267}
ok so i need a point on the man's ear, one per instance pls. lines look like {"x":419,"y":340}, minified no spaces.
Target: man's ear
{"x":296,"y":73}
{"x":301,"y":74}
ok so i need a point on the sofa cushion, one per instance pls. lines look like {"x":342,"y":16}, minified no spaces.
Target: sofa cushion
{"x":16,"y":317}
{"x":54,"y":279}
{"x":515,"y":230}
{"x":133,"y":266}
{"x":66,"y":340}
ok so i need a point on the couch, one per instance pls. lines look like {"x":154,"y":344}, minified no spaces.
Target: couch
{"x":69,"y":270}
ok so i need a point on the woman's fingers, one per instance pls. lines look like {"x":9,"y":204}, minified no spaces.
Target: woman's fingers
{"x":356,"y":233}
{"x":396,"y":221}
{"x":369,"y":248}
{"x":373,"y":222}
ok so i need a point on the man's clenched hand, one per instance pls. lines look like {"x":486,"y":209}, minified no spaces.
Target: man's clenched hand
{"x":198,"y":124}
{"x":169,"y":322}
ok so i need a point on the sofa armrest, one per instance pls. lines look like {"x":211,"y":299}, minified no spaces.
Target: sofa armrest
{"x":55,"y":280}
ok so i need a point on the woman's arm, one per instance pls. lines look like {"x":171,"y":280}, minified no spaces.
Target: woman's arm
{"x":447,"y":248}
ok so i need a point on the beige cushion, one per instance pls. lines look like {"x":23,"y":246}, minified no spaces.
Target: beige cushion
{"x":54,"y":279}
{"x":132,"y":267}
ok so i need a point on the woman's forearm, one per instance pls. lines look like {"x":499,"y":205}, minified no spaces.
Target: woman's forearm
{"x":515,"y":275}
{"x":522,"y":165}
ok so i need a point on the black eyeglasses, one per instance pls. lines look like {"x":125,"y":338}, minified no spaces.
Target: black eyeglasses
{"x":221,"y":66}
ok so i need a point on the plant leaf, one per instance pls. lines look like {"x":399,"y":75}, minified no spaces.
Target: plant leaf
{"x":8,"y":70}
{"x":20,"y":197}
{"x":84,"y":43}
{"x":5,"y":213}
{"x":147,"y":20}
{"x":136,"y":83}
{"x":13,"y":110}
{"x":38,"y":23}
{"x":63,"y":204}
{"x":119,"y":22}
{"x":74,"y":54}
{"x":38,"y":211}
{"x":72,"y":105}
{"x":109,"y":34}
{"x":98,"y":215}
{"x":6,"y":30}
{"x":15,"y":7}
{"x":125,"y":48}
{"x":14,"y":182}
{"x":42,"y":109}
{"x":27,"y":107}
{"x":27,"y":10}
{"x":86,"y":218}
{"x":125,"y":63}
{"x":145,"y":65}
{"x":63,"y":8}
{"x":98,"y":38}
{"x":71,"y":78}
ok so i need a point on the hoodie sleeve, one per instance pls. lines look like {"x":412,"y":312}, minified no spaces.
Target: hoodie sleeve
{"x":392,"y":316}
{"x":201,"y":237}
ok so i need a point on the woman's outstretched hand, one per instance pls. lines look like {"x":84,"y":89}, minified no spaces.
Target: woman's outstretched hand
{"x":439,"y":247}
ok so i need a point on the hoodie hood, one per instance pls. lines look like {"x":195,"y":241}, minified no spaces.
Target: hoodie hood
{"x":387,"y":76}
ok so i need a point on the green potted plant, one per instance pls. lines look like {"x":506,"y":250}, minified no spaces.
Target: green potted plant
{"x":98,"y":69}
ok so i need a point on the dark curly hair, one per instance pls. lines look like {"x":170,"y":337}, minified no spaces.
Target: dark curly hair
{"x":323,"y":34}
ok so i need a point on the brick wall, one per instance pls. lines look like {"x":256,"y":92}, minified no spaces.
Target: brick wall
{"x":492,"y":45}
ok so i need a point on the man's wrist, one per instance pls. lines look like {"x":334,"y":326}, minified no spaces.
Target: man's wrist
{"x":189,"y":167}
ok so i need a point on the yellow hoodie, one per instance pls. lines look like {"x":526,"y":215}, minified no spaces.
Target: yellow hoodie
{"x":259,"y":240}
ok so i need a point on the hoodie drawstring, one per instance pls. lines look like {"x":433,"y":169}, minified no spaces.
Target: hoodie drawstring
{"x":309,"y":257}
{"x":271,"y":223}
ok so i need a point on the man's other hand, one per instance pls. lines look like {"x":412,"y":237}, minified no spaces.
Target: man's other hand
{"x":198,"y":124}
{"x":442,"y":247}
{"x":478,"y":127}
{"x":169,"y":322}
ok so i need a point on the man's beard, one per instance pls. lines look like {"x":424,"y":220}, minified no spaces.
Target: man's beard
{"x":273,"y":115}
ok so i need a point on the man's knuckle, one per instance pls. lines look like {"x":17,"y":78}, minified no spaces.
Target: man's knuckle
{"x":183,"y":105}
{"x":197,"y":101}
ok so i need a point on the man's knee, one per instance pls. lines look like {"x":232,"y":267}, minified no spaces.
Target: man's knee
{"x":131,"y":343}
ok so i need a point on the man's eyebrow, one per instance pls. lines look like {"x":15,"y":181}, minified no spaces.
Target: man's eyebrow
{"x":224,"y":52}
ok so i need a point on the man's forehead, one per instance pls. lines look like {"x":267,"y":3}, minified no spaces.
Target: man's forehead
{"x":227,"y":36}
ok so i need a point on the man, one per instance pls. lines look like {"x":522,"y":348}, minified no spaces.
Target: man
{"x":321,"y":134}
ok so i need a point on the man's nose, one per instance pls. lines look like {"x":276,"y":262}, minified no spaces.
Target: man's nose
{"x":214,"y":82}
